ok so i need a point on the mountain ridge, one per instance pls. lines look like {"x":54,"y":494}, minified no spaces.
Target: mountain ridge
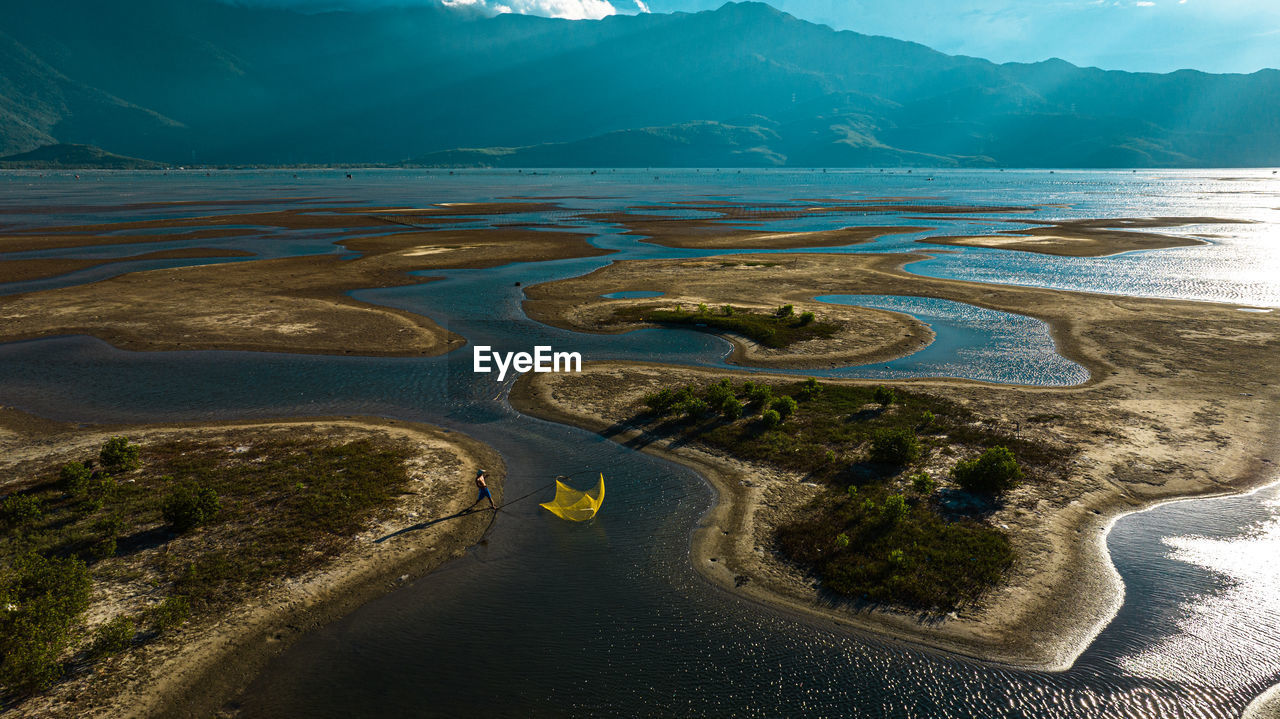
{"x":202,"y":82}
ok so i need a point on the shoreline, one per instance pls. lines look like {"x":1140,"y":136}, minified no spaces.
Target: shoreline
{"x":202,"y":666}
{"x":1169,"y":412}
{"x":721,"y":541}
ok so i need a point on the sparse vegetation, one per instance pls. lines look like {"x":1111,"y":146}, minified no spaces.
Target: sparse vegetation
{"x":898,"y":551}
{"x":774,"y":329}
{"x":900,"y":548}
{"x":89,"y":526}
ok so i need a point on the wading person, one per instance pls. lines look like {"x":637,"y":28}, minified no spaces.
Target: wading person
{"x":483,"y":489}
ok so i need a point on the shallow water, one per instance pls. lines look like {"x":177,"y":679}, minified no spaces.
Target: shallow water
{"x":546,"y":618}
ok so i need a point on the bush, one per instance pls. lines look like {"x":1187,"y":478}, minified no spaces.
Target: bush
{"x":927,"y":418}
{"x":894,"y":446}
{"x":760,"y":394}
{"x":19,"y":509}
{"x":170,"y":613}
{"x":118,"y":455}
{"x":842,"y":541}
{"x":784,"y":311}
{"x":893,"y":509}
{"x":48,"y":595}
{"x":923,"y":483}
{"x":994,"y":471}
{"x":702,"y":308}
{"x":810,"y":389}
{"x":115,"y":636}
{"x":660,"y":402}
{"x":717,"y":395}
{"x":771,"y":418}
{"x":806,"y":318}
{"x":189,"y":505}
{"x":74,"y":479}
{"x":885,"y":396}
{"x":731,"y":408}
{"x":693,"y":409}
{"x":727,"y":310}
{"x":784,"y":406}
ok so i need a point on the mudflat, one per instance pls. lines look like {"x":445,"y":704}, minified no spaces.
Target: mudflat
{"x":297,"y":304}
{"x":1087,"y":237}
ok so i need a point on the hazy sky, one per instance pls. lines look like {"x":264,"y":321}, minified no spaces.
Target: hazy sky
{"x":1154,"y":35}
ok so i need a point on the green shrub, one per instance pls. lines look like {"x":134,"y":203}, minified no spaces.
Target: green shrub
{"x":994,"y":471}
{"x":806,"y":318}
{"x":885,"y":396}
{"x":810,"y":389}
{"x":923,"y":483}
{"x":693,"y":409}
{"x":829,"y":457}
{"x":74,"y":479}
{"x":661,"y":401}
{"x":45,"y":597}
{"x":171,"y":613}
{"x":702,"y":308}
{"x":760,"y":394}
{"x":894,"y":509}
{"x":927,"y":418}
{"x":771,"y":418}
{"x":842,"y":541}
{"x":727,"y":310}
{"x":717,"y":395}
{"x":853,"y":490}
{"x":894,"y":446}
{"x":118,"y":455}
{"x":19,"y":509}
{"x":189,"y":505}
{"x":784,"y":311}
{"x":785,"y":406}
{"x":115,"y":636}
{"x":731,"y":408}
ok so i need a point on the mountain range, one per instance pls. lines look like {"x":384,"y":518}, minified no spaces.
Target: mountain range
{"x":206,"y":82}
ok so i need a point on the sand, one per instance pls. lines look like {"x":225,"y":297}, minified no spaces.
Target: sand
{"x":1086,"y":238}
{"x":1181,"y":403}
{"x":24,"y":270}
{"x":297,"y":304}
{"x":192,"y":671}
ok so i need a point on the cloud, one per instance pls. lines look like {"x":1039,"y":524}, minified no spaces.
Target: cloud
{"x":567,"y":9}
{"x":1145,"y":3}
{"x":643,"y":8}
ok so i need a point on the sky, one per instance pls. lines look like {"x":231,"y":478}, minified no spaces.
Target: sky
{"x":1138,"y":35}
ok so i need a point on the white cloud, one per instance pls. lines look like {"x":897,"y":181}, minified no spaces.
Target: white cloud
{"x":1145,"y":3}
{"x":567,"y":9}
{"x":643,"y":8}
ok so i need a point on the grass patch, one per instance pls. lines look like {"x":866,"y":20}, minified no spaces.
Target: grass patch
{"x":917,"y":559}
{"x":205,"y":523}
{"x":774,"y":329}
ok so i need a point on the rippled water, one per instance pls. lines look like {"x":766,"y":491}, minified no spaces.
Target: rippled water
{"x":545,"y":618}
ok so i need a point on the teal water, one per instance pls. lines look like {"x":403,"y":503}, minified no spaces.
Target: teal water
{"x":549,"y":619}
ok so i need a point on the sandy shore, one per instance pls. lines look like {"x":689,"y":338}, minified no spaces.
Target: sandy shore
{"x":296,"y":304}
{"x":1181,"y":403}
{"x":194,"y":670}
{"x":865,"y":335}
{"x":1086,"y":238}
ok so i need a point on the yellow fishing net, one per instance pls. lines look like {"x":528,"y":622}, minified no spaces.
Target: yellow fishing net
{"x":573,"y":505}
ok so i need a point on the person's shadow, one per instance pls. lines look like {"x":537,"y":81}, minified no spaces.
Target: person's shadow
{"x":433,"y":522}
